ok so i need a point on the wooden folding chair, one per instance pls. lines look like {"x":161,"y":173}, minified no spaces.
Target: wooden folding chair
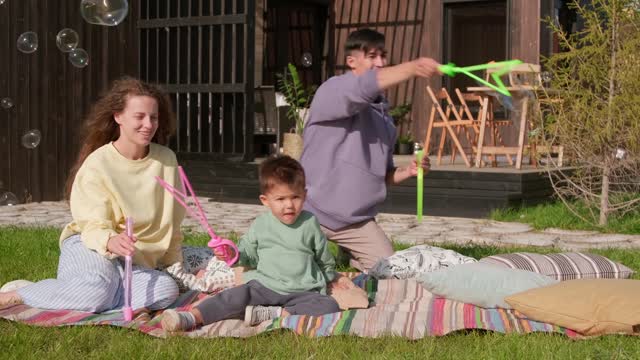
{"x":472,"y":130}
{"x":440,"y":118}
{"x":485,"y":110}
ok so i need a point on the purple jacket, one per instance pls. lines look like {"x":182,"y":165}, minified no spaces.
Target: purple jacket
{"x":348,"y":150}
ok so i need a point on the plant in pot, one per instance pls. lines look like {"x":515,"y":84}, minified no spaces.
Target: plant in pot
{"x":405,"y":144}
{"x":399,"y":114}
{"x":299,"y":98}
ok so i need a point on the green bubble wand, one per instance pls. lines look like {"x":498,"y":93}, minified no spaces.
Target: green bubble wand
{"x":502,"y":66}
{"x":417,"y":149}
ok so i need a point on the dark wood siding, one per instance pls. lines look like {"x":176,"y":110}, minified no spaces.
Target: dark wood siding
{"x":523,"y":41}
{"x":53,"y":96}
{"x":49,"y":93}
{"x":203,"y":53}
{"x":403,"y":22}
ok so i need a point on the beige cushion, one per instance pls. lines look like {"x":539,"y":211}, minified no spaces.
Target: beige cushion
{"x":588,"y":306}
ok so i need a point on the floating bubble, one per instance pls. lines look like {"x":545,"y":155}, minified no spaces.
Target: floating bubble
{"x":505,"y":101}
{"x":2,"y":2}
{"x":6,"y":103}
{"x":104,"y":12}
{"x":546,"y":76}
{"x":79,"y":58}
{"x":620,"y":153}
{"x":27,"y":42}
{"x":8,"y":198}
{"x":67,"y":40}
{"x":307,"y":59}
{"x":31,"y":139}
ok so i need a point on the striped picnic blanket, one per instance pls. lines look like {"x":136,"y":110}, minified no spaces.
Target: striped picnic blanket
{"x":399,"y":308}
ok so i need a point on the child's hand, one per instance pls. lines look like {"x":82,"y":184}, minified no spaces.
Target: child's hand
{"x":341,"y":282}
{"x":219,"y":253}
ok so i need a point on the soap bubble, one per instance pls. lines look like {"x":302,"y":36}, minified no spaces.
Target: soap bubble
{"x":6,"y":103}
{"x":8,"y":198}
{"x":104,"y":12}
{"x":79,"y":58}
{"x":546,"y":76}
{"x":2,"y":2}
{"x":27,"y":42}
{"x":67,"y":40}
{"x":31,"y":139}
{"x":620,"y":153}
{"x":505,"y":101}
{"x":307,"y":59}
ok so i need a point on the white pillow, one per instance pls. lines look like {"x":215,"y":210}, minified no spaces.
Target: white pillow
{"x":217,"y":274}
{"x":417,"y":260}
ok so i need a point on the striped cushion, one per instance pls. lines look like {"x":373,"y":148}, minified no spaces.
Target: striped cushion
{"x":563,"y":266}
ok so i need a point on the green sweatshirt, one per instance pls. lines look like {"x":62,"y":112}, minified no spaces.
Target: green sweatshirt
{"x":287,"y":258}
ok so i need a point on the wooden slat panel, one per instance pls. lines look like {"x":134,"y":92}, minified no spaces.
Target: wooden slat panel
{"x":50,"y":94}
{"x":402,"y":23}
{"x":211,"y":72}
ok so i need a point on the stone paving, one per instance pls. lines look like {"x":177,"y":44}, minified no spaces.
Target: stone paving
{"x":228,"y":217}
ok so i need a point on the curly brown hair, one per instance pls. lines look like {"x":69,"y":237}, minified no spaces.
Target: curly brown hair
{"x":100,"y":127}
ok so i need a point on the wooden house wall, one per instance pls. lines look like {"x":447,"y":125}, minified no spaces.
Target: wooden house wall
{"x":404,"y":23}
{"x":415,"y":28}
{"x":49,"y":93}
{"x":523,"y":43}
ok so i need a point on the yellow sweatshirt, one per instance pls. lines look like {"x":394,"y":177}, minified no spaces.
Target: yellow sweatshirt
{"x":109,"y":187}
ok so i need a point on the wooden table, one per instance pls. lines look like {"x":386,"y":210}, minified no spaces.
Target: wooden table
{"x":519,"y":93}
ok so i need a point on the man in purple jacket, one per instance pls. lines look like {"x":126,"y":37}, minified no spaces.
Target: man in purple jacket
{"x":348,"y":146}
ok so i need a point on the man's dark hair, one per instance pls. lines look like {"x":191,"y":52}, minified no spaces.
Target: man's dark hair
{"x":281,"y":169}
{"x":365,"y":40}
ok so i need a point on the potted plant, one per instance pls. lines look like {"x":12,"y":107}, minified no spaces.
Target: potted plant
{"x":405,"y":144}
{"x":399,"y":114}
{"x":299,"y":98}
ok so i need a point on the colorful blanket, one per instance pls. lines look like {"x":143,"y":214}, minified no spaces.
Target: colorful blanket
{"x":399,"y":308}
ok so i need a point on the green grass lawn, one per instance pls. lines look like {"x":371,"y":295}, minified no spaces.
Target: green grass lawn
{"x":33,"y":254}
{"x":556,"y":215}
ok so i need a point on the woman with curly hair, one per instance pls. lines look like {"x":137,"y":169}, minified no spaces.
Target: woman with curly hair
{"x":124,"y":149}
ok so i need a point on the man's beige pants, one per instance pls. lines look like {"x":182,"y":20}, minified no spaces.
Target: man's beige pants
{"x":364,"y":241}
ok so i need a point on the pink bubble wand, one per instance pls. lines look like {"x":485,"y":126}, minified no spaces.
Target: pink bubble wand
{"x":229,"y":249}
{"x":128,"y":275}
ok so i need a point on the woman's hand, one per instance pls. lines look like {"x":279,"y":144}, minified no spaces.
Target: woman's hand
{"x":122,"y":245}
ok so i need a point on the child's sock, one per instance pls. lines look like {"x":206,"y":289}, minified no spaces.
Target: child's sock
{"x":178,"y":320}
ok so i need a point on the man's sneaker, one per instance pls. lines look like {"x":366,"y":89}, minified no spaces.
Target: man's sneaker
{"x":254,"y":315}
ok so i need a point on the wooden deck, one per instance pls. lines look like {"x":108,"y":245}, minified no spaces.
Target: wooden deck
{"x":449,"y":190}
